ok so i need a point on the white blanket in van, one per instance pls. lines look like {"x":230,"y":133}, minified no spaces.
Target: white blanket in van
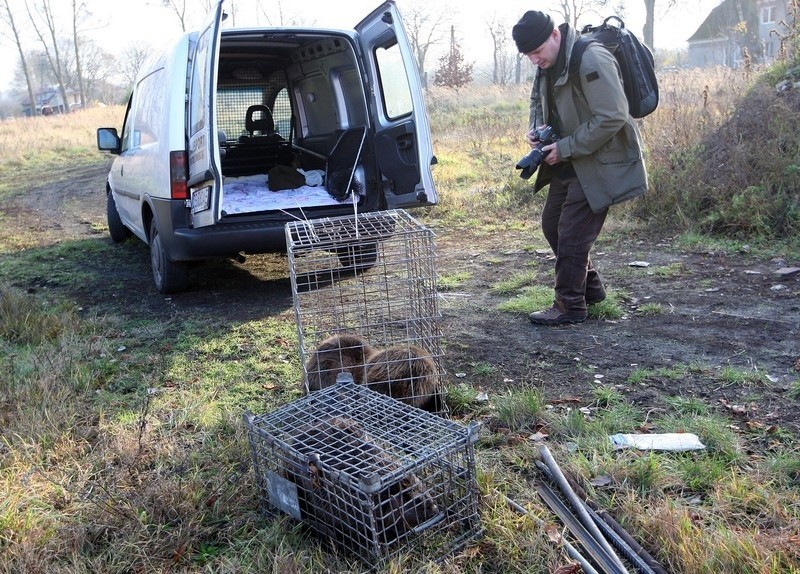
{"x":250,"y":193}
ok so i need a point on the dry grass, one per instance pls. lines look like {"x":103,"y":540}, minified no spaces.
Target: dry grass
{"x":721,"y":152}
{"x":28,"y":145}
{"x":22,"y":138}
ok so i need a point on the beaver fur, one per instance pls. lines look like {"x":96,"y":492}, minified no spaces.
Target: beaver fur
{"x":343,"y":352}
{"x":338,"y":446}
{"x":406,"y":373}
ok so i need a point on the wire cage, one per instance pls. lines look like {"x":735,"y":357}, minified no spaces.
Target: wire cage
{"x":368,"y":473}
{"x":365,"y":299}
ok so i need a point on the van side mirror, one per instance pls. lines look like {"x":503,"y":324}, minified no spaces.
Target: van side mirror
{"x":108,"y":140}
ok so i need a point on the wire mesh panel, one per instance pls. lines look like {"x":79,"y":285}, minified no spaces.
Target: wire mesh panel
{"x":364,"y":289}
{"x":369,"y":473}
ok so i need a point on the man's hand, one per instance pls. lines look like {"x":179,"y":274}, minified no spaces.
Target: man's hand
{"x":551,"y":154}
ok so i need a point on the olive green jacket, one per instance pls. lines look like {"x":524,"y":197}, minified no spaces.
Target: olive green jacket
{"x":599,"y":136}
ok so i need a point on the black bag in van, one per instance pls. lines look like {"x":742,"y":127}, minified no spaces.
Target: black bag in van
{"x":635,"y":60}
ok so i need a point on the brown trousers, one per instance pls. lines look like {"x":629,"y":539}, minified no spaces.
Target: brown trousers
{"x":571,"y":228}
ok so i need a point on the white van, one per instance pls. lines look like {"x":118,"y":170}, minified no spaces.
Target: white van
{"x":232,"y":132}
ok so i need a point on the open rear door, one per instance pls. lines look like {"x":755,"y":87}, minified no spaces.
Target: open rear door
{"x":402,"y":133}
{"x":205,"y":175}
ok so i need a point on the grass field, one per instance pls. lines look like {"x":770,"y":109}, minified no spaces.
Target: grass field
{"x":121,"y":442}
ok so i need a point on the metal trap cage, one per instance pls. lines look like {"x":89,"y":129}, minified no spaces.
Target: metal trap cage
{"x":368,"y":473}
{"x":365,"y":299}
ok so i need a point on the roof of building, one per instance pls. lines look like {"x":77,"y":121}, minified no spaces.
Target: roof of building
{"x":724,"y":18}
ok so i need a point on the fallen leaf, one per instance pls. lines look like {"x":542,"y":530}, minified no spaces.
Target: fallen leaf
{"x":602,"y":480}
{"x":553,"y":532}
{"x":566,"y":400}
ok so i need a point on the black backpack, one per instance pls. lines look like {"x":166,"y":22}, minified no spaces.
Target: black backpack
{"x":635,"y":62}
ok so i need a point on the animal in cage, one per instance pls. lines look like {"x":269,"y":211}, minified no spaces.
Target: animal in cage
{"x":406,"y":373}
{"x":339,"y":447}
{"x":344,"y":352}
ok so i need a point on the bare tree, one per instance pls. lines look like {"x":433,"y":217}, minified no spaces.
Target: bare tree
{"x":44,"y":24}
{"x":277,"y":15}
{"x":650,"y":17}
{"x":131,"y":61}
{"x":8,"y":18}
{"x":79,"y":13}
{"x":503,"y":61}
{"x":574,"y":10}
{"x":179,"y":8}
{"x":425,"y":29}
{"x":99,"y":71}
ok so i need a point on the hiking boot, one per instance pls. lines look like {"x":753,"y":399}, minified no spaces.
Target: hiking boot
{"x":555,"y":316}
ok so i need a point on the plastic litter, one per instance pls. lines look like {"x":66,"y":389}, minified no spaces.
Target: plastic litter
{"x":677,"y":442}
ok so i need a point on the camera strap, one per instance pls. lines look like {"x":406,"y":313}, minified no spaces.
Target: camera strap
{"x":555,"y":118}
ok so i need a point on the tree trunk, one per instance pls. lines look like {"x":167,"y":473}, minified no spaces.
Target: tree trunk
{"x":649,"y":22}
{"x":76,"y":43}
{"x":56,"y":65}
{"x":23,"y":62}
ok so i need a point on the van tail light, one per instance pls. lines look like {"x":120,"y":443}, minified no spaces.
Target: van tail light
{"x":177,"y":175}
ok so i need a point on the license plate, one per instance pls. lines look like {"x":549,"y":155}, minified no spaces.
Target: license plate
{"x":201,"y":199}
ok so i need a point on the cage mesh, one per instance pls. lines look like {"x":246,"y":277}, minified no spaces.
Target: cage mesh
{"x":233,"y":99}
{"x":369,"y":473}
{"x":364,"y":289}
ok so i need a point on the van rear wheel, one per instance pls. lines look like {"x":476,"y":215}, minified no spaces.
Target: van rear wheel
{"x":116,"y":229}
{"x":169,"y":276}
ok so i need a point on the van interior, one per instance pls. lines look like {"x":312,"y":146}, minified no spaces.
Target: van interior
{"x":292,"y":121}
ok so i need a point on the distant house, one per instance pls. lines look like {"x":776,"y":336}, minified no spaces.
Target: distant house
{"x":48,"y":101}
{"x":738,"y":25}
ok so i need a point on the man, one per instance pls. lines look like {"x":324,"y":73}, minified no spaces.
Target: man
{"x":596,"y":162}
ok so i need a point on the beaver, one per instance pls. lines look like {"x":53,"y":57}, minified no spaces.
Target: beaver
{"x":335,"y":354}
{"x":406,"y":373}
{"x":337,"y":447}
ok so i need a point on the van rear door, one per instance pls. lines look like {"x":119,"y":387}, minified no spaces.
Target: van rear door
{"x":205,"y":175}
{"x":402,"y":133}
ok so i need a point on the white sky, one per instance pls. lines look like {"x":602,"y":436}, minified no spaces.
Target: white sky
{"x":117,"y":24}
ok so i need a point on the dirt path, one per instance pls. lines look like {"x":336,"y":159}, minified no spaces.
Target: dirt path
{"x":719,"y":310}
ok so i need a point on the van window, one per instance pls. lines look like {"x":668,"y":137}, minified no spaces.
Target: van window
{"x":243,"y":89}
{"x":127,"y":126}
{"x":199,"y":98}
{"x":148,"y":108}
{"x":232,"y":104}
{"x":393,"y":82}
{"x":144,"y":111}
{"x":282,"y":113}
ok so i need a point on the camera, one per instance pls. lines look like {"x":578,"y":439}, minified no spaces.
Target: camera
{"x":528,"y":164}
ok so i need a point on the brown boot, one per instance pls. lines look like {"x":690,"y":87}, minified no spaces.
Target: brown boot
{"x":556,"y":315}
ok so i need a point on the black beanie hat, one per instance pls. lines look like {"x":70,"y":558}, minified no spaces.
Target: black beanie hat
{"x":532,"y":30}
